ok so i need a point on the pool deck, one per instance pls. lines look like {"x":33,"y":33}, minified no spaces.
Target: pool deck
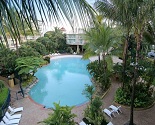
{"x":34,"y":113}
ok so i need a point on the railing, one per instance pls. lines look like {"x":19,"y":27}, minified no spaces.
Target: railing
{"x":75,"y":43}
{"x":5,"y":105}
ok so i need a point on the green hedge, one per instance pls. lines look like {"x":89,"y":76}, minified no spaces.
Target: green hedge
{"x":143,"y":96}
{"x":3,"y":95}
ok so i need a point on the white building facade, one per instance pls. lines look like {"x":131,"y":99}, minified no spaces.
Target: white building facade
{"x":76,"y":40}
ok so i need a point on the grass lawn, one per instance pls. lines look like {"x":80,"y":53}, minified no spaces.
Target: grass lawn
{"x":3,"y":96}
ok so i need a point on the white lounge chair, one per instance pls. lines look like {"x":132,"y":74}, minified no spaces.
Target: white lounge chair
{"x":10,"y":117}
{"x":10,"y":122}
{"x":82,"y":123}
{"x":2,"y":123}
{"x":14,"y":110}
{"x":74,"y":53}
{"x":109,"y":113}
{"x":115,"y":109}
{"x":110,"y":123}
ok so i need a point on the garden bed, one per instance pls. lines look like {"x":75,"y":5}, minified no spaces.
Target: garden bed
{"x":143,"y":99}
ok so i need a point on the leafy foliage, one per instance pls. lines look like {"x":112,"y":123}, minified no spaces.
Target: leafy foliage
{"x":96,"y":70}
{"x":3,"y":92}
{"x":28,"y":81}
{"x":7,"y":61}
{"x":28,"y":11}
{"x":50,"y":45}
{"x":54,"y":41}
{"x":145,"y":72}
{"x":3,"y":97}
{"x":142,"y":96}
{"x":26,"y":65}
{"x":93,"y":112}
{"x":25,"y":51}
{"x":40,"y":48}
{"x":99,"y":40}
{"x":89,"y":91}
{"x":61,"y":115}
{"x":1,"y":85}
{"x":47,"y":59}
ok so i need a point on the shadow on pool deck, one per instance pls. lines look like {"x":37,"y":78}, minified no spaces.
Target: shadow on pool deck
{"x":34,"y":113}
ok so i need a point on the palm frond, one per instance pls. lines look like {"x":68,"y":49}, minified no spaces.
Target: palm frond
{"x":28,"y":11}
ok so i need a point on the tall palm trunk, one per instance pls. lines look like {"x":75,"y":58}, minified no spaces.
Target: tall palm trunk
{"x":125,"y":51}
{"x":99,"y":60}
{"x":104,"y":68}
{"x":138,"y":39}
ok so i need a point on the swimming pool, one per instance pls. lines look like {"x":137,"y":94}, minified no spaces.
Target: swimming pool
{"x":63,"y":80}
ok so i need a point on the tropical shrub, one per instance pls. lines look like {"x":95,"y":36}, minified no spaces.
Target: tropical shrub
{"x":69,"y":50}
{"x":25,"y":51}
{"x":88,"y":92}
{"x":143,"y":96}
{"x":118,"y":72}
{"x":61,"y":115}
{"x":27,"y":81}
{"x":7,"y":61}
{"x":54,"y":41}
{"x":27,"y":66}
{"x":103,"y":78}
{"x":49,"y":45}
{"x":93,"y":112}
{"x":47,"y":59}
{"x":40,"y":48}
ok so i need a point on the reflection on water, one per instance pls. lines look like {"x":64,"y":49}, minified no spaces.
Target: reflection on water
{"x":62,"y":80}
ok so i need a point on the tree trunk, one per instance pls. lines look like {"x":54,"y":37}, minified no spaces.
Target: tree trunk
{"x":138,"y":39}
{"x":133,"y":96}
{"x":104,"y":68}
{"x":99,"y":60}
{"x":124,"y":60}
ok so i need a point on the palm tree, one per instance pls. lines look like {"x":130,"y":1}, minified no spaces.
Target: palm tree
{"x":61,"y":115}
{"x":116,"y":11}
{"x":91,"y":48}
{"x":135,"y":15}
{"x":141,"y":18}
{"x":29,"y":10}
{"x":22,"y":33}
{"x":100,"y":41}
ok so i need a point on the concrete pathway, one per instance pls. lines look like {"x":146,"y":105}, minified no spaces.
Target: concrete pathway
{"x":143,"y":117}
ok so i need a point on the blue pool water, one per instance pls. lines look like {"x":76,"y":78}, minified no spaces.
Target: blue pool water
{"x":62,"y":80}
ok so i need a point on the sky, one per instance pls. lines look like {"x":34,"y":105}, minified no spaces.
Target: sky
{"x":91,"y":2}
{"x":49,"y":27}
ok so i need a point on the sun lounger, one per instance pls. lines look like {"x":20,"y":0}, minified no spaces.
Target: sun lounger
{"x":110,"y":123}
{"x":14,"y":110}
{"x":109,"y":113}
{"x":10,"y":117}
{"x":82,"y":123}
{"x":115,"y":109}
{"x":10,"y":122}
{"x":2,"y":123}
